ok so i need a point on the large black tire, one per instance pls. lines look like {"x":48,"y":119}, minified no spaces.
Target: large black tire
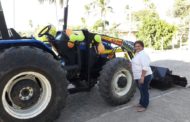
{"x":40,"y":77}
{"x":116,"y":83}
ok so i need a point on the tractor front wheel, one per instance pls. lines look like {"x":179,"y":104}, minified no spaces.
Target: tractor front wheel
{"x":116,"y":83}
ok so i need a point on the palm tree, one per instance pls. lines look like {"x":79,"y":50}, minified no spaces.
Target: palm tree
{"x":87,"y":9}
{"x":14,"y":12}
{"x":102,"y":7}
{"x":57,"y":3}
{"x":149,"y":5}
{"x":52,"y":1}
{"x":104,"y":10}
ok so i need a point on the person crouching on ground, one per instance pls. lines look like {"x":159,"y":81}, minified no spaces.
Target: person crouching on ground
{"x":142,"y":74}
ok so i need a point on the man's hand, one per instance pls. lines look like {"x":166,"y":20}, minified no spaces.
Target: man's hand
{"x":130,"y":65}
{"x":141,"y":80}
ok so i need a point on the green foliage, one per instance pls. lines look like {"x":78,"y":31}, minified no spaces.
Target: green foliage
{"x":113,"y":31}
{"x":101,"y":8}
{"x":142,"y":14}
{"x":149,"y":11}
{"x":154,"y":30}
{"x":83,"y":20}
{"x":99,"y":24}
{"x":181,"y":8}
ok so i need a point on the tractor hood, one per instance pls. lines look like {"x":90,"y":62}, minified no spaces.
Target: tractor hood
{"x":25,"y":42}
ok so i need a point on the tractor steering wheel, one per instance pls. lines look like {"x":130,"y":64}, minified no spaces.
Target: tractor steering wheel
{"x":45,"y":32}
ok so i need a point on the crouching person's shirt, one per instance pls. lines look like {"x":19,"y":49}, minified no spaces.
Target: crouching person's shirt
{"x":141,"y":61}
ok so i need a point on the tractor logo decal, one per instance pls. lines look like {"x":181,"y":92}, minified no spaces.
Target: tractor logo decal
{"x":113,"y":40}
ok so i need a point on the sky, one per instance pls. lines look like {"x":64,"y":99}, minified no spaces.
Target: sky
{"x":39,"y":14}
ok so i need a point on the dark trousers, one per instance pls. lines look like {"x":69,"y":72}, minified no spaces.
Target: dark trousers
{"x":143,"y":88}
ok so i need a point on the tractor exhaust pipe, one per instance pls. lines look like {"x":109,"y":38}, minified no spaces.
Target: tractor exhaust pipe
{"x":3,"y":27}
{"x":66,"y":7}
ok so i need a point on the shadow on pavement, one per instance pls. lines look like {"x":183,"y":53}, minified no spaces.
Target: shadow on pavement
{"x":82,"y":107}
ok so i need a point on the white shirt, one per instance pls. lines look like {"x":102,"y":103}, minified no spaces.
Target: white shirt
{"x":141,"y":61}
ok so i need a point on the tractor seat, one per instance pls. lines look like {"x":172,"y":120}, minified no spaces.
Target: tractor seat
{"x":13,"y":34}
{"x":69,"y":54}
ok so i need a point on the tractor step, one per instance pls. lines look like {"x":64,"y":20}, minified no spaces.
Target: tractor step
{"x":72,"y":89}
{"x":76,"y":90}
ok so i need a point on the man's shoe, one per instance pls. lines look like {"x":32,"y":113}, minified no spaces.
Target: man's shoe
{"x":138,"y":105}
{"x":141,"y":109}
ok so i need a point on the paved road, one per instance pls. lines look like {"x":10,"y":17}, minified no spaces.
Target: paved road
{"x":166,"y":106}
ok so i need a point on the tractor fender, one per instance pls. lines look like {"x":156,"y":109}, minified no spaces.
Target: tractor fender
{"x":26,"y":42}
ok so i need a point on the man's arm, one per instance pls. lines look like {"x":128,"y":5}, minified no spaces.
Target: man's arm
{"x":141,"y":81}
{"x":145,"y":62}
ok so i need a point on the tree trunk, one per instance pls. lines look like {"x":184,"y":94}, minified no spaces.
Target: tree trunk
{"x":14,"y":13}
{"x":162,"y":45}
{"x":180,"y":41}
{"x":189,"y":38}
{"x":103,"y":21}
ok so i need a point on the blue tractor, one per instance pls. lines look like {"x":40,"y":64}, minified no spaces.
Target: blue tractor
{"x":35,"y":72}
{"x":34,"y":75}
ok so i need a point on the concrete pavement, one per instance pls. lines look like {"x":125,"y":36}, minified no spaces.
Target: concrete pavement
{"x":165,"y":106}
{"x":170,"y":107}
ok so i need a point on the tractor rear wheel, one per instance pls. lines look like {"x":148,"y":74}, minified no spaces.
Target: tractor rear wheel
{"x":116,"y":83}
{"x":33,"y":86}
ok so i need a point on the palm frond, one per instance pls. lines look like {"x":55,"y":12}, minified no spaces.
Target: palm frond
{"x":52,"y":1}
